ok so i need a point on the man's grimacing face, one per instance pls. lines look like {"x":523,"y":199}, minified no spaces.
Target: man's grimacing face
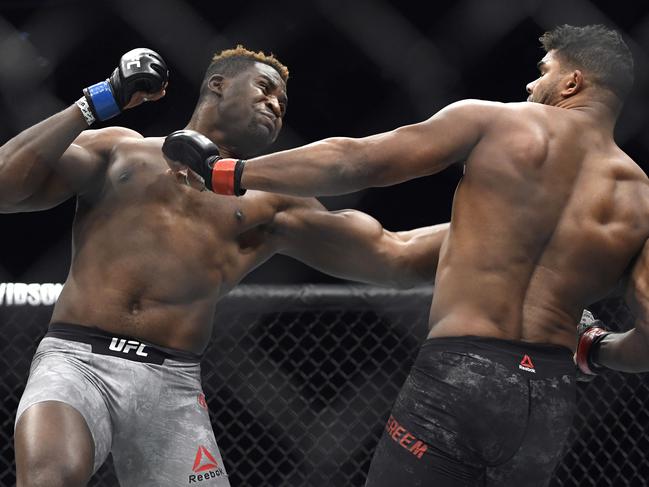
{"x":253,"y":106}
{"x":251,"y":110}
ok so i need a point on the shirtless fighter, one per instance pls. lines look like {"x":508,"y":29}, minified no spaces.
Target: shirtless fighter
{"x":119,"y":368}
{"x":547,"y":217}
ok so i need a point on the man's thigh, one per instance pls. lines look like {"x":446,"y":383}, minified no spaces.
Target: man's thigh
{"x":53,"y":446}
{"x":61,"y":416}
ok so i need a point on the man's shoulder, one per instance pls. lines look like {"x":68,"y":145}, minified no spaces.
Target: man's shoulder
{"x":106,"y":137}
{"x":525,"y":117}
{"x":493,"y":111}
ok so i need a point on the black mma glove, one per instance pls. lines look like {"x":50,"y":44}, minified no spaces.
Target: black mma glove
{"x":590,"y":332}
{"x":139,"y":70}
{"x":201,"y":155}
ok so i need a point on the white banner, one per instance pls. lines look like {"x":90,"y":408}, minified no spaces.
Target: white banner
{"x":30,"y":294}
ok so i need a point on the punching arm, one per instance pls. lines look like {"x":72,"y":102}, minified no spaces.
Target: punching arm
{"x":353,"y":245}
{"x":49,"y":162}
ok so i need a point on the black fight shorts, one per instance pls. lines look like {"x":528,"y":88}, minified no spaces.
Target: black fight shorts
{"x":478,"y":411}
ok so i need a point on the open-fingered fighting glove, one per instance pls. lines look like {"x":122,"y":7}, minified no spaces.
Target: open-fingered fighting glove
{"x":201,"y":155}
{"x":590,"y":332}
{"x":139,"y":70}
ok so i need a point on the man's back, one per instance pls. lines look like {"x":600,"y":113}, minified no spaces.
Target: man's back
{"x":545,"y":220}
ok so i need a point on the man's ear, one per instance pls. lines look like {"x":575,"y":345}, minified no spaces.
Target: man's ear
{"x":573,"y":83}
{"x":215,"y":84}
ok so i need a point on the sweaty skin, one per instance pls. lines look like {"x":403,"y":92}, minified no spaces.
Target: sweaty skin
{"x":152,"y":256}
{"x":547,"y":218}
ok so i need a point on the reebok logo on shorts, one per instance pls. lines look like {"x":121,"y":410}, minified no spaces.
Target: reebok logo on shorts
{"x":205,"y":466}
{"x":527,"y":365}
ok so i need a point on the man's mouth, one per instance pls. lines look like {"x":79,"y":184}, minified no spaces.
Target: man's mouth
{"x":268,"y":119}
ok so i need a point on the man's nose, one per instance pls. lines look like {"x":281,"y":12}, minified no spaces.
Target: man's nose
{"x":530,"y":87}
{"x":273,"y":103}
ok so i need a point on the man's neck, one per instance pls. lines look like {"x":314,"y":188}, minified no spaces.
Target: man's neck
{"x":211,"y":132}
{"x":603,"y":113}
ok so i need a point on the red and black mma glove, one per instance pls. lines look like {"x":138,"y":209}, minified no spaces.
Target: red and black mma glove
{"x":590,"y":333}
{"x":201,"y":155}
{"x":139,"y":70}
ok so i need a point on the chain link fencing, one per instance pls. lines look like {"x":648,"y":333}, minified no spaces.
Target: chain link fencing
{"x":300,"y":381}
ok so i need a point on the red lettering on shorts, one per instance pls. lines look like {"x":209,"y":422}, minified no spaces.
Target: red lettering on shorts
{"x":391,"y":426}
{"x":404,"y":438}
{"x":201,"y":401}
{"x":398,"y":432}
{"x":418,"y":448}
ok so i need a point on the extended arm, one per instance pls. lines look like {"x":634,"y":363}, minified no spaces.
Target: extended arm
{"x":49,"y":162}
{"x":34,"y":173}
{"x":353,"y":245}
{"x":342,"y":165}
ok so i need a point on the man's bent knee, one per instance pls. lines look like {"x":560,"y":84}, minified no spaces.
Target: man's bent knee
{"x":59,"y":475}
{"x":53,"y":447}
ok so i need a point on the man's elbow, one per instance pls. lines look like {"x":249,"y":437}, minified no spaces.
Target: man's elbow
{"x":11,"y":197}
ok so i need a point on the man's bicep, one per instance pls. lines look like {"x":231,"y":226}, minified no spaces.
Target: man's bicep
{"x":429,"y":146}
{"x":83,"y":164}
{"x":347,"y":243}
{"x":309,"y":230}
{"x":55,"y":190}
{"x":353,"y":245}
{"x":77,"y":171}
{"x":73,"y":174}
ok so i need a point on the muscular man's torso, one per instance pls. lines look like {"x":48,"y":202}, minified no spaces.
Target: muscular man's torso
{"x":549,"y":214}
{"x":152,"y":256}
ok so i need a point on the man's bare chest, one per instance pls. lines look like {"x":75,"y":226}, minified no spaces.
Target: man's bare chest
{"x":143,"y":193}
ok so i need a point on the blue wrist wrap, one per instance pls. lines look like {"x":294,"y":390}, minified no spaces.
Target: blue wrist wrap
{"x":103,"y":100}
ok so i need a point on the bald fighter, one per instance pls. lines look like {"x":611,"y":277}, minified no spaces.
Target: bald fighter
{"x":118,"y":370}
{"x":547,"y":217}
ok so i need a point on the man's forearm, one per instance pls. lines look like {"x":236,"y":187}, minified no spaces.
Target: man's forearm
{"x":328,"y":167}
{"x":27,"y":159}
{"x":625,"y":352}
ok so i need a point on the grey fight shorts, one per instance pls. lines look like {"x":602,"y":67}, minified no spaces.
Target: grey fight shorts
{"x":142,"y":403}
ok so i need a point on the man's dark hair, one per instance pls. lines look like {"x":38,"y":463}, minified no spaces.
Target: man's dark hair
{"x":234,"y":61}
{"x":598,"y":51}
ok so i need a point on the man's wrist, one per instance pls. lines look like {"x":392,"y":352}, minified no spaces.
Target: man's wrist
{"x":226,"y":176}
{"x":596,"y":354}
{"x":86,"y":111}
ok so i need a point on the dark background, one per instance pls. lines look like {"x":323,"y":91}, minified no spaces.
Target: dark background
{"x":357,"y":68}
